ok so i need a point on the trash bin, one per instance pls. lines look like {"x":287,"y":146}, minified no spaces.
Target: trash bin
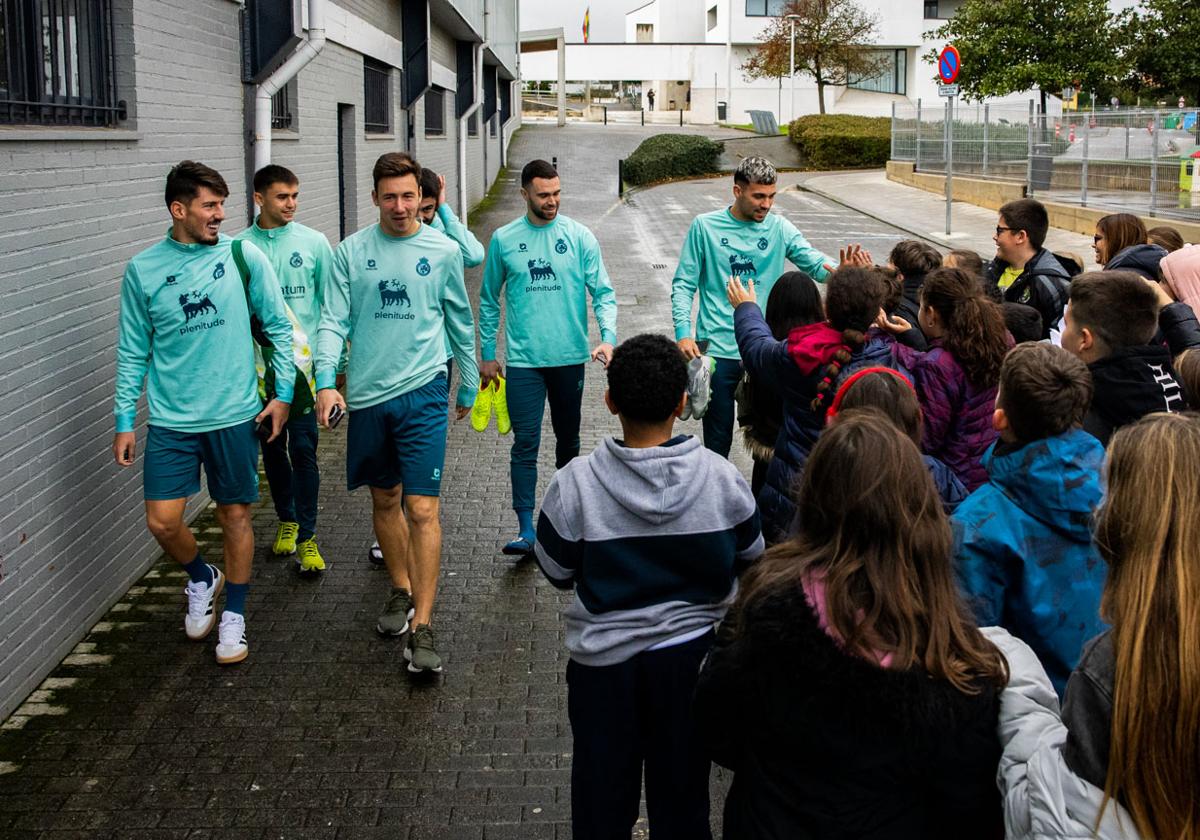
{"x":722,"y":108}
{"x":1041,"y":170}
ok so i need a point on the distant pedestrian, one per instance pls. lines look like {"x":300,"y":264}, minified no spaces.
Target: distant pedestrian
{"x":187,"y":305}
{"x":650,"y":98}
{"x":854,"y":697}
{"x":651,"y":531}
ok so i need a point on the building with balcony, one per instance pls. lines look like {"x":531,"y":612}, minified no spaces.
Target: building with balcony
{"x":98,"y":99}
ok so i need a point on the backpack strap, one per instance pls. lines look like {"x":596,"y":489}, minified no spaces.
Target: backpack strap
{"x":243,"y":270}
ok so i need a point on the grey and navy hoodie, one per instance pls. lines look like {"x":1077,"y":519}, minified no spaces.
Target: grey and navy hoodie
{"x":651,"y":539}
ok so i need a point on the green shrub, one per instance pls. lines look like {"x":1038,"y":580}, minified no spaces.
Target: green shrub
{"x":666,"y":156}
{"x":831,"y":141}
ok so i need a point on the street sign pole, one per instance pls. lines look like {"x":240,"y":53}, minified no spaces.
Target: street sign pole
{"x":949,"y":159}
{"x":948,"y":67}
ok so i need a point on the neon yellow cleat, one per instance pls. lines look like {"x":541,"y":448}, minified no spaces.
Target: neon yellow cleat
{"x":308,"y":560}
{"x":285,"y":538}
{"x":481,"y":412}
{"x":503,"y":421}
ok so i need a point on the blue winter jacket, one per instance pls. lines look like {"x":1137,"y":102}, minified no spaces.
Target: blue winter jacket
{"x":1023,"y":547}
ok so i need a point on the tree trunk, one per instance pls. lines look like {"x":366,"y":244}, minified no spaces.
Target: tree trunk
{"x":820,"y":96}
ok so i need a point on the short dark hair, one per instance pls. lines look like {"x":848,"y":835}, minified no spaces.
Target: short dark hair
{"x":537,"y":169}
{"x":914,"y":258}
{"x":1119,"y":307}
{"x":187,"y":177}
{"x":1029,"y":215}
{"x":429,"y":184}
{"x":647,"y":378}
{"x":1024,"y":322}
{"x":273,"y":173}
{"x":395,"y":165}
{"x":1044,"y":390}
{"x":895,"y":288}
{"x":854,"y":296}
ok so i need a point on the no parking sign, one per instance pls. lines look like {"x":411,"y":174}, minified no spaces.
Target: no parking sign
{"x":948,"y":64}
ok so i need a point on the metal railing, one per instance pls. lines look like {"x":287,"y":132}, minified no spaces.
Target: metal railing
{"x":57,"y":63}
{"x":1124,"y":160}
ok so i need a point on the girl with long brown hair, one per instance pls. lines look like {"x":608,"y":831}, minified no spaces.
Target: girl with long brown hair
{"x":855,"y":697}
{"x":1127,"y":763}
{"x":1122,"y":242}
{"x":956,"y":378}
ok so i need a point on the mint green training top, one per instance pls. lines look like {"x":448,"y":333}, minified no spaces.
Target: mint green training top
{"x":446,"y":222}
{"x":393,"y":298}
{"x":717,"y":246}
{"x":302,"y":260}
{"x":185,"y":330}
{"x":547,"y":273}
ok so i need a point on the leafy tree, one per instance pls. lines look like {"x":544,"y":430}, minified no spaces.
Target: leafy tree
{"x":1163,"y":45}
{"x":830,"y":35}
{"x":1008,"y":46}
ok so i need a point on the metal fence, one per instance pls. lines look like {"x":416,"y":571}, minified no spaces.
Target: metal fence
{"x":1134,"y":160}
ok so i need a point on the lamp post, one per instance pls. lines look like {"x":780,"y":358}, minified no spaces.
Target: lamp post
{"x":791,"y":19}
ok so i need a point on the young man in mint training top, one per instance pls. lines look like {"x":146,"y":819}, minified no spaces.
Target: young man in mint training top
{"x":185,"y":331}
{"x":547,"y":266}
{"x":396,"y":292}
{"x":435,"y":212}
{"x":301,"y":258}
{"x":748,"y":241}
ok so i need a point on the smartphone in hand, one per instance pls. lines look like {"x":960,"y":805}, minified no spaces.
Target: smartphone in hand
{"x":335,"y":416}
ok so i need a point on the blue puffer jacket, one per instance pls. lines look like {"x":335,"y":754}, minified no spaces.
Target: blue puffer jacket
{"x":767,"y":358}
{"x":1023,"y":547}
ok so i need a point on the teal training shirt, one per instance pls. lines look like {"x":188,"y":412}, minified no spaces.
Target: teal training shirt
{"x":446,"y":222}
{"x":301,"y":258}
{"x":717,"y":246}
{"x":393,"y":298}
{"x":546,"y":273}
{"x":185,"y":331}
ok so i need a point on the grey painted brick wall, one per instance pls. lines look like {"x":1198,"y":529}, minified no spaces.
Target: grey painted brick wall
{"x":384,"y":14}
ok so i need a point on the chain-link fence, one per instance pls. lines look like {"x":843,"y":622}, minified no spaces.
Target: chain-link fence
{"x":1135,"y":160}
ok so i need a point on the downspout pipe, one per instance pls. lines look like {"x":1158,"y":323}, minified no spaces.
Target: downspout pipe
{"x":462,"y":131}
{"x":306,"y":51}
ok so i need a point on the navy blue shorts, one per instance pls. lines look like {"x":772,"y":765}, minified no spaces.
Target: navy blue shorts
{"x":400,"y":441}
{"x":229,"y":456}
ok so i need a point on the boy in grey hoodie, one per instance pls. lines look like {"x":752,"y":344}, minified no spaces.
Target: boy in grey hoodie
{"x":651,"y":531}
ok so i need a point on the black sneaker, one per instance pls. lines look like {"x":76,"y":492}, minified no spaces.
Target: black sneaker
{"x":397,"y":612}
{"x":420,"y":652}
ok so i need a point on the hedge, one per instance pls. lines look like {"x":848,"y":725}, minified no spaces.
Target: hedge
{"x":666,"y":156}
{"x":830,"y":141}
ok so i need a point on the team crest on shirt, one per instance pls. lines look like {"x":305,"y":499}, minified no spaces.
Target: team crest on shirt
{"x":560,"y":247}
{"x":296,"y":261}
{"x":423,"y":266}
{"x":740,"y":266}
{"x":763,"y":243}
{"x":1025,"y":296}
{"x":219,"y":271}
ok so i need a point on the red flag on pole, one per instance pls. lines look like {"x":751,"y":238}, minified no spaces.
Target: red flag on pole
{"x":587,"y":24}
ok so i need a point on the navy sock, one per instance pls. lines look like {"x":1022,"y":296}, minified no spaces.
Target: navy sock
{"x":235,"y":597}
{"x":525,"y":524}
{"x":199,"y":571}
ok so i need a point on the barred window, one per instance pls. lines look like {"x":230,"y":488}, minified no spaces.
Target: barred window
{"x":56,"y":63}
{"x":377,"y":97}
{"x":435,"y":112}
{"x":281,"y":107}
{"x":473,"y":124}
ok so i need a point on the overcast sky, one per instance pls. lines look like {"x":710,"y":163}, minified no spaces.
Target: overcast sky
{"x":608,"y":16}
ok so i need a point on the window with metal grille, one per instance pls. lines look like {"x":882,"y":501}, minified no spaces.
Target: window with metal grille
{"x":377,"y":96}
{"x":281,"y":107}
{"x":931,"y":9}
{"x":56,"y":63}
{"x":473,"y":124}
{"x":435,"y":112}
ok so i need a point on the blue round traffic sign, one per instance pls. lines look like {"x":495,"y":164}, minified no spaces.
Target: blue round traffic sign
{"x":948,"y":64}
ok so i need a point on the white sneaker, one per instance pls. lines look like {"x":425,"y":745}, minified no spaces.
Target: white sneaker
{"x":699,"y":388}
{"x":201,"y":615}
{"x":231,"y":638}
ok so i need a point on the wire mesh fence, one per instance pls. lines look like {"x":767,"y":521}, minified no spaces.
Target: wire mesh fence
{"x":1133,"y":160}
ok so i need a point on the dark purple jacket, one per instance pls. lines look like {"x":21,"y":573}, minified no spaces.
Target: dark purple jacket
{"x":958,"y":415}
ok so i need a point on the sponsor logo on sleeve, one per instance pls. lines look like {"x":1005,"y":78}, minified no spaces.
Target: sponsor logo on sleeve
{"x":371,"y":265}
{"x":171,"y":279}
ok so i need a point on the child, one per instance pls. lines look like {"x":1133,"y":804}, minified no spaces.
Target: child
{"x":1165,"y":237}
{"x":1022,"y":541}
{"x":1127,"y":763}
{"x":956,"y":379}
{"x":651,"y":530}
{"x":855,"y":698}
{"x":1023,"y":322}
{"x":891,"y":393}
{"x":913,"y":259}
{"x":1111,"y":317}
{"x":1023,"y":270}
{"x":1187,"y":371}
{"x":1121,"y":242}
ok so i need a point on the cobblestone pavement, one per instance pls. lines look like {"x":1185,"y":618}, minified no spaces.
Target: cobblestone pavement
{"x":320,"y":733}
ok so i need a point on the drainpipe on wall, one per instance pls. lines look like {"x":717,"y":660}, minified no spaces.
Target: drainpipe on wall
{"x":462,"y":131}
{"x":307,"y":50}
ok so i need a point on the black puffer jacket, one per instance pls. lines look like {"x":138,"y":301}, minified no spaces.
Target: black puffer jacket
{"x":825,"y":745}
{"x":1044,"y":284}
{"x":1140,"y":259}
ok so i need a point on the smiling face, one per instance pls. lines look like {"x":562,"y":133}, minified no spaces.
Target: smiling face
{"x":542,"y":198}
{"x":752,"y":202}
{"x":198,"y":221}
{"x":1100,"y":246}
{"x":398,"y":199}
{"x":277,"y":204}
{"x":427,"y":209}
